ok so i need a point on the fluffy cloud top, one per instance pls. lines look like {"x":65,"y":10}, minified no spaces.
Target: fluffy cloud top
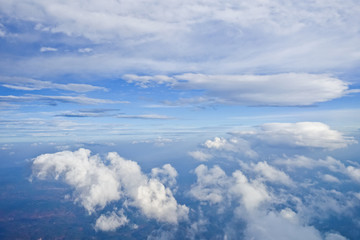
{"x":330,"y":163}
{"x":214,"y":186}
{"x":200,"y":156}
{"x":111,"y":222}
{"x":97,"y":184}
{"x":237,"y":145}
{"x":211,"y":184}
{"x":272,"y":174}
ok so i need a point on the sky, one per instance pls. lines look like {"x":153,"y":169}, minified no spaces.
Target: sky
{"x":269,"y":86}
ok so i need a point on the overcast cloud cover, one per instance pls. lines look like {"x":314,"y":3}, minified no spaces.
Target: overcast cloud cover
{"x":187,"y":119}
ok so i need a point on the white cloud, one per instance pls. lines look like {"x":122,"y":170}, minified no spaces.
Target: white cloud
{"x":29,"y":84}
{"x":56,"y":99}
{"x":96,"y":184}
{"x":330,"y":178}
{"x":354,"y":173}
{"x":48,"y":49}
{"x":272,"y":174}
{"x":297,"y":161}
{"x":200,"y":156}
{"x":305,"y":162}
{"x":296,"y":88}
{"x":146,"y":116}
{"x":255,"y":202}
{"x":2,"y":31}
{"x":111,"y":222}
{"x":330,"y":163}
{"x":334,"y":236}
{"x":211,"y":184}
{"x":85,"y":50}
{"x":240,"y":37}
{"x":301,"y":134}
{"x":150,"y":195}
{"x":271,"y":226}
{"x":166,"y":175}
{"x":158,"y":142}
{"x":214,"y":186}
{"x":253,"y":193}
{"x":233,"y":144}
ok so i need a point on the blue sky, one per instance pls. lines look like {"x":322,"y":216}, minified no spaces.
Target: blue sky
{"x":252,"y":105}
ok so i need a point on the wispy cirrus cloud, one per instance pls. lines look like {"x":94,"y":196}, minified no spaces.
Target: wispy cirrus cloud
{"x":100,"y":112}
{"x":146,"y":116}
{"x":257,"y":37}
{"x":51,"y":100}
{"x":48,"y":49}
{"x":29,"y":84}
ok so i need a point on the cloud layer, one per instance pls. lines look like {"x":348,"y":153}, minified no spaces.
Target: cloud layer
{"x":290,"y":89}
{"x":239,"y":191}
{"x":300,"y":134}
{"x":192,"y":36}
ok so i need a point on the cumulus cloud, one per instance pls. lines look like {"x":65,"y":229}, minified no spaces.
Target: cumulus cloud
{"x":330,"y":178}
{"x":252,"y":193}
{"x":269,"y":212}
{"x":353,"y":172}
{"x":305,"y":162}
{"x":334,"y":236}
{"x":300,"y":134}
{"x":200,"y":156}
{"x":330,"y":163}
{"x":272,"y":174}
{"x":273,"y":226}
{"x":167,"y":175}
{"x":254,"y":203}
{"x":29,"y":84}
{"x":96,"y":184}
{"x":215,"y":186}
{"x":111,"y":221}
{"x":296,"y":88}
{"x":211,"y":184}
{"x":233,"y":144}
